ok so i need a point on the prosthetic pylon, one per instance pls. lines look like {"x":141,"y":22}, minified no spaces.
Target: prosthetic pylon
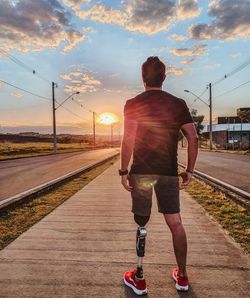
{"x":140,"y":249}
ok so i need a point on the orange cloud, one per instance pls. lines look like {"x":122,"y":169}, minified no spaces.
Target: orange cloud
{"x":188,"y":9}
{"x":80,"y":80}
{"x":17,"y":95}
{"x":178,"y":37}
{"x":196,"y":50}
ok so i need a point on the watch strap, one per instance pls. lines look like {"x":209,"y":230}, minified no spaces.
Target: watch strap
{"x":122,"y":173}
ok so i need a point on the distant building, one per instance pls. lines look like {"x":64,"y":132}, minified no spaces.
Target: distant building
{"x":230,"y":132}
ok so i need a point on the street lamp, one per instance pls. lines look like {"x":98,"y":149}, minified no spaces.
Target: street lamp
{"x":54,"y":114}
{"x":67,"y":99}
{"x":210,"y":114}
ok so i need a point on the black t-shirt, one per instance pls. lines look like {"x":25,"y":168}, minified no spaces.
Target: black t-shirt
{"x":159,"y":117}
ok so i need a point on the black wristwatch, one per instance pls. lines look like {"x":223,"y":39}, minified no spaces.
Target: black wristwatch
{"x":187,"y":170}
{"x":122,"y":173}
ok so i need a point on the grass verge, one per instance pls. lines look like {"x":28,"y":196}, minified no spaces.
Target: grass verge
{"x":242,"y":152}
{"x":17,"y":219}
{"x":231,"y":216}
{"x":20,"y":150}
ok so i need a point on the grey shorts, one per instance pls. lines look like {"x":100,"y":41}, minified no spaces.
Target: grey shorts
{"x":166,"y":190}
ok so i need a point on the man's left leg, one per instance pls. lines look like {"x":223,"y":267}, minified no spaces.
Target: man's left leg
{"x":167,"y":193}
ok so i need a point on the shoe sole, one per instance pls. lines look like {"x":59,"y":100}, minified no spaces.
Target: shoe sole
{"x":178,"y":287}
{"x":136,"y":291}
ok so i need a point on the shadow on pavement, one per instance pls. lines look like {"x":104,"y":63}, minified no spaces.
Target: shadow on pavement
{"x":128,"y":293}
{"x":190,"y":293}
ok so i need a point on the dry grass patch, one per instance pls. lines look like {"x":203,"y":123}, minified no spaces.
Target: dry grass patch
{"x":16,"y":220}
{"x":18,"y":150}
{"x":231,"y":216}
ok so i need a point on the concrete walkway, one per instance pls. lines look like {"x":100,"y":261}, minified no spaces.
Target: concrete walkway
{"x":83,"y":247}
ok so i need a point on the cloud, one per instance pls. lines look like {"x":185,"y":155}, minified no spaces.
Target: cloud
{"x":230,"y":21}
{"x":80,"y":80}
{"x":103,"y":14}
{"x":138,"y":16}
{"x":235,"y":55}
{"x":113,"y":75}
{"x":89,"y":30}
{"x":150,"y":17}
{"x":188,"y":9}
{"x":196,"y":50}
{"x":188,"y":61}
{"x":35,"y":25}
{"x":178,"y":37}
{"x":75,"y":4}
{"x":17,"y":95}
{"x":177,"y":71}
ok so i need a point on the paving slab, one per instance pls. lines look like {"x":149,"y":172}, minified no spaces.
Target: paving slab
{"x":82,"y":248}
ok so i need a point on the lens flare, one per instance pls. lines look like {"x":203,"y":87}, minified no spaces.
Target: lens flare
{"x":107,"y":118}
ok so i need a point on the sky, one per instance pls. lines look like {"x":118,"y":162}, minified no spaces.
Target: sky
{"x":97,"y":48}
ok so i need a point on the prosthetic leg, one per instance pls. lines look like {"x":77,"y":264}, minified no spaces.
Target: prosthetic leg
{"x":140,"y":249}
{"x":134,"y":279}
{"x":140,"y":242}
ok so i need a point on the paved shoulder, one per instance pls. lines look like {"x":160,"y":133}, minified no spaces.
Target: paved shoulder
{"x":83,"y":247}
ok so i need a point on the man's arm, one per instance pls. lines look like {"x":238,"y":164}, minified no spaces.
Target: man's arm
{"x":190,"y":134}
{"x":127,"y":146}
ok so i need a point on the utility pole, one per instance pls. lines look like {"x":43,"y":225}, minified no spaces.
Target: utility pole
{"x":210,"y":118}
{"x":54,"y":117}
{"x":111,"y":142}
{"x":93,"y":129}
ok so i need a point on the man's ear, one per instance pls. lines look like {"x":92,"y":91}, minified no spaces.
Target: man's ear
{"x":164,"y":77}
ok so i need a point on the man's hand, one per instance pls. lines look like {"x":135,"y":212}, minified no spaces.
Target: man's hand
{"x":186,"y":177}
{"x":124,"y":181}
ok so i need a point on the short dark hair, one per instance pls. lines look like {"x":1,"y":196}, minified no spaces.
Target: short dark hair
{"x":153,"y":72}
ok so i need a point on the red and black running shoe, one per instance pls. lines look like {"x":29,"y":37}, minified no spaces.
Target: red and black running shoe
{"x":181,"y":283}
{"x":136,"y":284}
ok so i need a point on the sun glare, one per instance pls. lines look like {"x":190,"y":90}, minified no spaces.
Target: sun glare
{"x":107,"y":118}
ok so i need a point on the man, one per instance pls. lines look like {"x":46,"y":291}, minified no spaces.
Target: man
{"x":152,"y":121}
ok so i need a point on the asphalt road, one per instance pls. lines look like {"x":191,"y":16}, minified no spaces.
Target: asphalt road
{"x":230,"y":168}
{"x":22,"y":174}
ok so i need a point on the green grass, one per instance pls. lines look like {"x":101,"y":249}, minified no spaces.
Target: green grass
{"x":16,"y":220}
{"x":231,"y":216}
{"x":243,"y":152}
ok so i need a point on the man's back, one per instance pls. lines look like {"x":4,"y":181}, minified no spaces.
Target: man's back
{"x":159,"y":117}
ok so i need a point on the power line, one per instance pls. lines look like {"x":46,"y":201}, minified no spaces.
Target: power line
{"x":73,"y":113}
{"x":82,"y":106}
{"x":25,"y":66}
{"x":234,"y":71}
{"x":24,"y":90}
{"x":231,"y":90}
{"x":203,"y":92}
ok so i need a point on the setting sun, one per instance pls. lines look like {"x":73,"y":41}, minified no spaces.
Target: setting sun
{"x":108,"y":118}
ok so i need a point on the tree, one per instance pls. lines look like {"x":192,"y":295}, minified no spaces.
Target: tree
{"x":198,"y":119}
{"x":244,"y":115}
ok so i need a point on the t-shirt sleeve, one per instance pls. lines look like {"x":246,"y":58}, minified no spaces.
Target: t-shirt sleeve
{"x":185,"y":116}
{"x":129,"y":111}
